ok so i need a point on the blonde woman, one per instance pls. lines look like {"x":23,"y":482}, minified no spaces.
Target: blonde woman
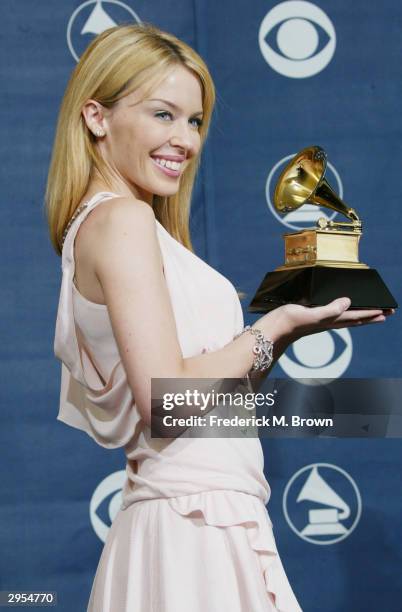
{"x":136,"y":303}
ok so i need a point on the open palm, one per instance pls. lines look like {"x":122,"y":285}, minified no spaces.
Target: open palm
{"x":304,"y":321}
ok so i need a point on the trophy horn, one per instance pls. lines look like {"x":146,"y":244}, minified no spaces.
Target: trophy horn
{"x":303,"y":181}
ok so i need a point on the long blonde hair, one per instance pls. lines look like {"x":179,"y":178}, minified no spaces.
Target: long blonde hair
{"x":117,"y":62}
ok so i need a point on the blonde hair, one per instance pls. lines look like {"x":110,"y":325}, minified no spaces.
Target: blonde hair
{"x":117,"y":62}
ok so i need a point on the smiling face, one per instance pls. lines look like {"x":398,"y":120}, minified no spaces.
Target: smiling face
{"x":149,"y":141}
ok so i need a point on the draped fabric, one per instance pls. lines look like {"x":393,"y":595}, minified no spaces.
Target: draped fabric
{"x":209,"y":493}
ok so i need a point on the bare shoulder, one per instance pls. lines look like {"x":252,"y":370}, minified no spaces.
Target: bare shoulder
{"x":109,"y":220}
{"x":125,"y":217}
{"x":126,"y":229}
{"x":117,"y":223}
{"x":121,"y":211}
{"x":128,"y":205}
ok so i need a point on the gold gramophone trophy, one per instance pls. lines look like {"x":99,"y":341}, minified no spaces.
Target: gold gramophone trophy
{"x":321,"y":263}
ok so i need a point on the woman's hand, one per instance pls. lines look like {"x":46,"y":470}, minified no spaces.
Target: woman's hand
{"x":292,"y":321}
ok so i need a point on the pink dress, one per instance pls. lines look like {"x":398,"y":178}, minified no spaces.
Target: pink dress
{"x":193,"y":533}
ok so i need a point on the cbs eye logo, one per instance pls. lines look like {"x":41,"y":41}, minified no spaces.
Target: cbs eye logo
{"x":297,"y":39}
{"x":323,"y":355}
{"x":106,"y":502}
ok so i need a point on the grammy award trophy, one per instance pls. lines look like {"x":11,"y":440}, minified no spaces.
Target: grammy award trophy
{"x":322,"y":262}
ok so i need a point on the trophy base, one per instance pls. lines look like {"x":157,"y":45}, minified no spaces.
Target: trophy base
{"x":319,"y":285}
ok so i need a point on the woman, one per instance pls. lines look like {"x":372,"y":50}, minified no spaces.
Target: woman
{"x":136,"y":303}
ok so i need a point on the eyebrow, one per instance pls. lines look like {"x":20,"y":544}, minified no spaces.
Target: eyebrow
{"x":172,"y":105}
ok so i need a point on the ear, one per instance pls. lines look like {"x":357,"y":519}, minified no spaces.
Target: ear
{"x":93,"y":113}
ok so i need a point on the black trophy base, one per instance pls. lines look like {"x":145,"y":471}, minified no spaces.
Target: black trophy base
{"x":318,"y":285}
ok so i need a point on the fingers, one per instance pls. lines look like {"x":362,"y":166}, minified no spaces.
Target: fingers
{"x":353,"y":315}
{"x":363,"y":314}
{"x":379,"y":318}
{"x":368,"y":320}
{"x":334,"y":315}
{"x":339,"y":308}
{"x":337,"y":312}
{"x":333,"y":309}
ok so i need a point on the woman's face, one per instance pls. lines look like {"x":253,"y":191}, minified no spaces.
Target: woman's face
{"x":148,"y":143}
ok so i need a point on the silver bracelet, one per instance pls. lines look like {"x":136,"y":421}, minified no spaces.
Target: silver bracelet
{"x":263,"y":349}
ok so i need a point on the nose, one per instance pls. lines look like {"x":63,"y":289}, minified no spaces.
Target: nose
{"x":185,"y":138}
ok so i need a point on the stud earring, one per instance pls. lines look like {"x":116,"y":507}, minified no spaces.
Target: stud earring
{"x":99,"y":132}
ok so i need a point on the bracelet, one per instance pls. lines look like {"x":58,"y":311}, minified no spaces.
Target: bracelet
{"x":263,"y":349}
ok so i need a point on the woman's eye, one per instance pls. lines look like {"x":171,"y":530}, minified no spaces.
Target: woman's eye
{"x":163,"y":114}
{"x":198,"y":122}
{"x":166,"y":115}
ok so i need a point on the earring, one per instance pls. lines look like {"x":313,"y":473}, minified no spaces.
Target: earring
{"x":99,"y":132}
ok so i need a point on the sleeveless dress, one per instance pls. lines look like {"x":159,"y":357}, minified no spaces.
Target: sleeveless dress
{"x":193,"y":533}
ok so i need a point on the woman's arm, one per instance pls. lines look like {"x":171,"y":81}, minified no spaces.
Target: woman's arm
{"x":129,"y":267}
{"x":128,"y":264}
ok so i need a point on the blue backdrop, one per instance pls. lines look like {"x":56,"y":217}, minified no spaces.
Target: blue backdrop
{"x":288,"y":75}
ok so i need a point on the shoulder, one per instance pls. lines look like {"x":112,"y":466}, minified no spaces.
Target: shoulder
{"x":124,"y":231}
{"x":126,"y":254}
{"x":116,"y":216}
{"x":111,"y":223}
{"x":123,"y":211}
